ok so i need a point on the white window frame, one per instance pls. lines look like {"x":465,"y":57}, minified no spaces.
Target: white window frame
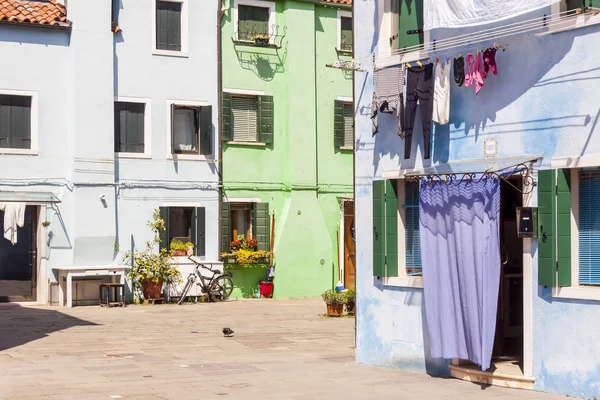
{"x":403,"y":279}
{"x":340,"y":14}
{"x":573,"y":23}
{"x":246,"y":92}
{"x":255,"y":3}
{"x":147,"y":128}
{"x":34,"y":150}
{"x":184,"y":30}
{"x":170,"y":155}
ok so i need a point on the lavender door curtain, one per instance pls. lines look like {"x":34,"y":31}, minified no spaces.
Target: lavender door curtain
{"x":460,"y":250}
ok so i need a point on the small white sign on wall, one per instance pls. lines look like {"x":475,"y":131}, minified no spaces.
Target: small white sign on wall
{"x":490,"y":148}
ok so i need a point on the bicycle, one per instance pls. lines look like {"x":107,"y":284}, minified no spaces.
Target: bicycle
{"x":216,"y":288}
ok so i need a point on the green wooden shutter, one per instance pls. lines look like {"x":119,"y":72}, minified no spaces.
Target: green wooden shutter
{"x":378,"y":228}
{"x":338,"y":123}
{"x":391,"y":227}
{"x":563,"y":229}
{"x":199,"y":231}
{"x":206,"y":130}
{"x":411,"y":18}
{"x":226,"y":125}
{"x":164,"y":235}
{"x":546,"y":228}
{"x":132,"y":130}
{"x":225,"y":226}
{"x":261,"y":225}
{"x":346,"y":33}
{"x":265,"y":119}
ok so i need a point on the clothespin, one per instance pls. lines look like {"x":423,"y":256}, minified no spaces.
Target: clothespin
{"x":437,"y":61}
{"x":419,"y":63}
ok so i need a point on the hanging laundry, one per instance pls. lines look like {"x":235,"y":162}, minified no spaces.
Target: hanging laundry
{"x":14,"y":215}
{"x":441,"y":94}
{"x":388,"y":95}
{"x":469,"y":64}
{"x":489,"y":61}
{"x":419,"y":87}
{"x":478,"y":72}
{"x":459,"y":70}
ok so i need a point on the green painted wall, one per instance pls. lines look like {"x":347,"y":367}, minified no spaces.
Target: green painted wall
{"x":302,"y":175}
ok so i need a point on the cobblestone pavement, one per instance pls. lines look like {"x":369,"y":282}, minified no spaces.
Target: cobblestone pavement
{"x":281,"y":349}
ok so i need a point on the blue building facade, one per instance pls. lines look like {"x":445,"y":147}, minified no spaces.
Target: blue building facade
{"x":542,"y":106}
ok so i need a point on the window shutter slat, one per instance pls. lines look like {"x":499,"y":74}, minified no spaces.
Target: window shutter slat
{"x":546,"y":228}
{"x":266,"y":118}
{"x":589,"y":227}
{"x":164,"y":235}
{"x":348,"y":124}
{"x":199,"y":231}
{"x":563,"y":229}
{"x":244,"y":112}
{"x":225,"y":226}
{"x":411,"y":18}
{"x":226,"y":117}
{"x":261,"y":225}
{"x":206,"y":130}
{"x":378,"y":228}
{"x":338,"y":123}
{"x":412,"y":240}
{"x":391,"y":227}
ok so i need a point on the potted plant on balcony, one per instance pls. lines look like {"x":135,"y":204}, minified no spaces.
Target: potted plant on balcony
{"x":334,"y":301}
{"x":261,"y":39}
{"x":180,"y":249}
{"x":350,"y":298}
{"x":151,"y":267}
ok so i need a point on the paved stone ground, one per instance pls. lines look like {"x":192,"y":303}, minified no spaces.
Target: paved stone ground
{"x":281,"y":350}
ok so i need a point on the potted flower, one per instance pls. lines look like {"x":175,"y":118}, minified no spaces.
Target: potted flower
{"x":150,"y":268}
{"x":261,"y":39}
{"x":180,"y":249}
{"x":350,"y":297}
{"x":235,"y":245}
{"x":334,"y":301}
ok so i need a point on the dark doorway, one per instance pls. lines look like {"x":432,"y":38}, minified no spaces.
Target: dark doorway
{"x":18,"y":262}
{"x":508,"y":344}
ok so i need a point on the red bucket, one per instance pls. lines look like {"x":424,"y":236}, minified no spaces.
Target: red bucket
{"x":266,"y":288}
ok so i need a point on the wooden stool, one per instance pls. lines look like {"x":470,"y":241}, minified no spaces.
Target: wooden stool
{"x":105,"y":288}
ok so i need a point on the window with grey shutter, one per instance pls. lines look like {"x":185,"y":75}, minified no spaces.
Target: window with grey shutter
{"x":129,"y":127}
{"x":244,"y":110}
{"x":348,"y":122}
{"x":252,"y":21}
{"x":168,"y":25}
{"x":15,"y":122}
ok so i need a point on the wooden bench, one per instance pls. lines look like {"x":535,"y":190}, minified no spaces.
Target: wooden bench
{"x":105,"y":291}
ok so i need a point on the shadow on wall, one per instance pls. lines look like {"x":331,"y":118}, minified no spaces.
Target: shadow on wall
{"x":34,"y":35}
{"x":21,"y":325}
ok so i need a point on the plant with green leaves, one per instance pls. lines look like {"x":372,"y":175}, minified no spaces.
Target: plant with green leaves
{"x":333,"y":297}
{"x":350,"y":297}
{"x":178,"y":245}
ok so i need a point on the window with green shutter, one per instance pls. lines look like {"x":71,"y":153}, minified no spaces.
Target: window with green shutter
{"x":385,"y":228}
{"x":346,"y":34}
{"x":412,"y":241}
{"x":129,"y":127}
{"x":343,"y":124}
{"x":252,"y":21}
{"x":187,"y":224}
{"x":245,"y":221}
{"x":410,"y":19}
{"x":15,"y":122}
{"x":168,"y":25}
{"x":248,"y":118}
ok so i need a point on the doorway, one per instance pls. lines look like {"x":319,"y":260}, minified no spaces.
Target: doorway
{"x":18,"y":262}
{"x":349,"y":245}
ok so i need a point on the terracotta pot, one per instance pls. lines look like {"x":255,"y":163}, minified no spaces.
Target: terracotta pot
{"x":179,"y":253}
{"x":152,"y":290}
{"x":351,"y":308}
{"x":335,"y":310}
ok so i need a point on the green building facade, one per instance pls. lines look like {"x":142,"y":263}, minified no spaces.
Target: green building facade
{"x":287,"y":138}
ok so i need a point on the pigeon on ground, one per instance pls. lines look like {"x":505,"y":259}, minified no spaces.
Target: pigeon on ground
{"x":227,"y":332}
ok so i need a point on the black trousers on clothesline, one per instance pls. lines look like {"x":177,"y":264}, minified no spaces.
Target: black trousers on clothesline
{"x":419,"y":87}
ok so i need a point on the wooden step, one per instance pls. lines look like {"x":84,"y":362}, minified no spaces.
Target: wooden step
{"x":472,"y":374}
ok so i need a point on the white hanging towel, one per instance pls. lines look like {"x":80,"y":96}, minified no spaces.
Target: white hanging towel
{"x":461,"y":13}
{"x":441,"y":94}
{"x":14,"y":215}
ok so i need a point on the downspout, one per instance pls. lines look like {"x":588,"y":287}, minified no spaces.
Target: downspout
{"x":220,"y":14}
{"x":316,"y":105}
{"x":354,"y":162}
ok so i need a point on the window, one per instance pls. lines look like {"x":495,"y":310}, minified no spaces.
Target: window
{"x":244,"y":112}
{"x":412,"y":242}
{"x":589,"y":227}
{"x":250,"y":220}
{"x":247,"y":119}
{"x":252,"y":20}
{"x":574,"y":4}
{"x":345,"y":43}
{"x":129,"y":127}
{"x":168,"y":25}
{"x":15,"y":122}
{"x":191,"y":129}
{"x":343,"y":125}
{"x":187,"y":224}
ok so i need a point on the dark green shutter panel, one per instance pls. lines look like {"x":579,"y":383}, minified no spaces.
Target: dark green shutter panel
{"x":20,"y":122}
{"x":411,"y":18}
{"x":225,"y":227}
{"x":172,"y":128}
{"x":164,"y":235}
{"x":206,"y":130}
{"x":265,"y":119}
{"x":378,"y":228}
{"x":199,"y":231}
{"x":117,"y":122}
{"x":547,"y":228}
{"x":162,"y":27}
{"x":563,"y":229}
{"x":261,"y":225}
{"x":391,"y":227}
{"x":338,"y":123}
{"x":135,"y":128}
{"x":226,"y":125}
{"x":5,"y":121}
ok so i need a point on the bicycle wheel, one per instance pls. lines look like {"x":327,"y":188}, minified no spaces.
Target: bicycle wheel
{"x":186,"y":289}
{"x":221,"y":288}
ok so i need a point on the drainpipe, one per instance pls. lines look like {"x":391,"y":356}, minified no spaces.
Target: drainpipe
{"x":354,"y":161}
{"x":220,"y":14}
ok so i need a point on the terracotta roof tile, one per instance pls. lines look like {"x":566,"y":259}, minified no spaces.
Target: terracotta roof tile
{"x":44,"y":12}
{"x":348,"y":2}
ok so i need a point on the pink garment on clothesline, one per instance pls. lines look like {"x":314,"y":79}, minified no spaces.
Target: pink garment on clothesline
{"x":478,"y":72}
{"x":469,"y":70}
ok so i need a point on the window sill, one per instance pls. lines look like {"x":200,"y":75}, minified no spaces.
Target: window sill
{"x":133,"y":155}
{"x":170,"y":53}
{"x":577,"y":293}
{"x":408,"y":281}
{"x":347,"y":148}
{"x":572,"y":24}
{"x":22,"y":152}
{"x":190,"y":157}
{"x":233,"y":142}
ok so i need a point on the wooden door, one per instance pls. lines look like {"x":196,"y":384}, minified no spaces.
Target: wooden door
{"x":349,"y":246}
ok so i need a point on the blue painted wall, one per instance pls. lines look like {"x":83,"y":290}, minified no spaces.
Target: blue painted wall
{"x":543,"y":100}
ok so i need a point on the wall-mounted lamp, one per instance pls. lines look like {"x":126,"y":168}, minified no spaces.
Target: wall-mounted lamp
{"x":103,"y":200}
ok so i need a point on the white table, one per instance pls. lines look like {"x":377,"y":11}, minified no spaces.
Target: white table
{"x":79,"y":271}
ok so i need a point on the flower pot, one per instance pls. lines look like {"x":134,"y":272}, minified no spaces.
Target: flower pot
{"x":351,"y":308}
{"x":335,"y":310}
{"x":179,"y":253}
{"x":152,"y":290}
{"x":261,"y":41}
